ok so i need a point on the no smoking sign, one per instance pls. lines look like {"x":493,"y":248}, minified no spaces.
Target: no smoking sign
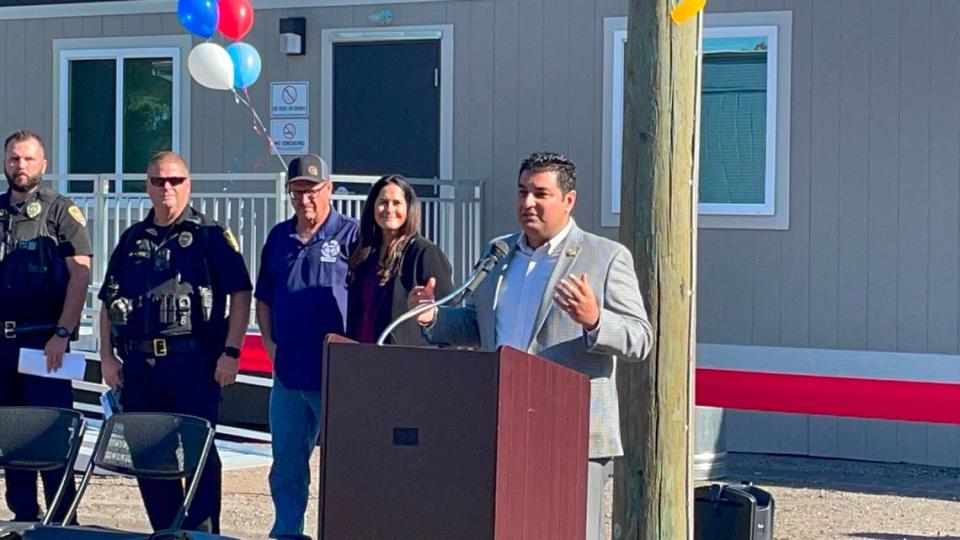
{"x":291,"y":136}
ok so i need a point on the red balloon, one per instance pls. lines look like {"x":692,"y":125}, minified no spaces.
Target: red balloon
{"x":236,"y":18}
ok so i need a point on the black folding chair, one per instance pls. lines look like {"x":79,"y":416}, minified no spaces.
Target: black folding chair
{"x":147,"y":446}
{"x":39,"y":439}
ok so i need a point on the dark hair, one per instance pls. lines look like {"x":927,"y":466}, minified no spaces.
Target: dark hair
{"x":370,"y":237}
{"x":552,"y":161}
{"x":22,"y":135}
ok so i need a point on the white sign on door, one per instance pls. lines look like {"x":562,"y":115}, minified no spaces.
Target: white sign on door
{"x":290,"y":98}
{"x":291,"y":135}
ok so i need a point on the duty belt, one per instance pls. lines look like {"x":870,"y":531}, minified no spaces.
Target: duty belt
{"x":12,"y":329}
{"x":160,"y":347}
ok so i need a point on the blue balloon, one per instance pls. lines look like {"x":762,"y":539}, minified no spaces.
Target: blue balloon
{"x":246,"y":64}
{"x":199,"y":17}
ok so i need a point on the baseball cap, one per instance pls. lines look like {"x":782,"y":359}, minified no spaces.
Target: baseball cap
{"x":308,"y":167}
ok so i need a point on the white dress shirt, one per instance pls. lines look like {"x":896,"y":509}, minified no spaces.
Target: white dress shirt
{"x":523,"y":287}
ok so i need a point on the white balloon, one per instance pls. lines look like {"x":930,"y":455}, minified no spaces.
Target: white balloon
{"x":210,"y":65}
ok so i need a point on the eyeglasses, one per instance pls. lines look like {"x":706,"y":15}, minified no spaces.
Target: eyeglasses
{"x":298,"y":194}
{"x":160,"y":181}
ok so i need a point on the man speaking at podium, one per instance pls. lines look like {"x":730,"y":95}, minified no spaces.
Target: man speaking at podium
{"x":560,"y":293}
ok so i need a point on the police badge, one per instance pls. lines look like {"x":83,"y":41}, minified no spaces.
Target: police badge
{"x":33,"y":209}
{"x":185,"y":238}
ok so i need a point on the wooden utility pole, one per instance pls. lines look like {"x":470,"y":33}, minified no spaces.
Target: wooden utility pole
{"x":658,"y":222}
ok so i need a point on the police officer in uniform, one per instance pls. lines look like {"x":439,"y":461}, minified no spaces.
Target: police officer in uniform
{"x":165,"y":314}
{"x":44,"y":274}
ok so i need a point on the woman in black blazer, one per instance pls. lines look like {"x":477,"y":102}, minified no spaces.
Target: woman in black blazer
{"x":390,"y":258}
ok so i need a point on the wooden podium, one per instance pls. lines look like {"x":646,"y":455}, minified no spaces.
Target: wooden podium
{"x":423,"y":443}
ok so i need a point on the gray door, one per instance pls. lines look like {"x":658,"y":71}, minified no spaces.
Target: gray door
{"x":386,"y":108}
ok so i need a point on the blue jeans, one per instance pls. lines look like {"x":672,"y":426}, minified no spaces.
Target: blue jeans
{"x":294,"y":428}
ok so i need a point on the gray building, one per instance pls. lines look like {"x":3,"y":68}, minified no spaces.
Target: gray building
{"x":830,"y":153}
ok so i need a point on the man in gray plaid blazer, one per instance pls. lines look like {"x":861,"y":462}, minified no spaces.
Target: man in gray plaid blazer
{"x":563,"y":294}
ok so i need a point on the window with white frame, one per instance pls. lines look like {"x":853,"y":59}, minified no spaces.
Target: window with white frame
{"x":117,"y":107}
{"x":744,"y":120}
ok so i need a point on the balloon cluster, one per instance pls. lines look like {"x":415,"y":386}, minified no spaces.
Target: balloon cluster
{"x":232,"y":68}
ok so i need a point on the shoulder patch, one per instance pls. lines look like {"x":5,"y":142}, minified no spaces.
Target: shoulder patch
{"x":77,"y":214}
{"x":232,"y":240}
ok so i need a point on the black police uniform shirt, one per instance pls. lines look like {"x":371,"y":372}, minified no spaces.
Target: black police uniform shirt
{"x":30,"y":292}
{"x":194,"y":250}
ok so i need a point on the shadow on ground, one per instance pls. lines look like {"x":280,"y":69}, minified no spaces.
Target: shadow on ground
{"x":843,"y":475}
{"x":889,"y":536}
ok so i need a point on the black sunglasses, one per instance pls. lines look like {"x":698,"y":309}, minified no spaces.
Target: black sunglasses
{"x":160,"y":181}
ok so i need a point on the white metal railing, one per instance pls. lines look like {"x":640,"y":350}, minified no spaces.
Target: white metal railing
{"x":252,"y":203}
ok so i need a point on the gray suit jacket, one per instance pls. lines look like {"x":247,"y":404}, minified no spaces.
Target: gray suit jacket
{"x":624,"y":332}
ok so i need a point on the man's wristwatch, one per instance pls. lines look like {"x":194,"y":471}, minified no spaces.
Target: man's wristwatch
{"x":62,"y":332}
{"x":232,"y":352}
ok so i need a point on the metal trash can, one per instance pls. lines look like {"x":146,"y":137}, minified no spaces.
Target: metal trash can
{"x":732,"y":512}
{"x":709,"y":444}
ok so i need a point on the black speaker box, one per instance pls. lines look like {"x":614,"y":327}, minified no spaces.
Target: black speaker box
{"x":732,"y":512}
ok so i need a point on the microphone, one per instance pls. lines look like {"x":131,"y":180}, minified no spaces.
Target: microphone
{"x":498,"y":250}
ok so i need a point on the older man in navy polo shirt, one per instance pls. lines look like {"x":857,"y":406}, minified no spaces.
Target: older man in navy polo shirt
{"x":301,"y":296}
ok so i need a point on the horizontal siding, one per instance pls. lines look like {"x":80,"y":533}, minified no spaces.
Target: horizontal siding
{"x":846,"y":438}
{"x":870,"y":258}
{"x":528,"y":76}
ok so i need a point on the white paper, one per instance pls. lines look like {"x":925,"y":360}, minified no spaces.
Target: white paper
{"x":34,"y":362}
{"x":107,"y":407}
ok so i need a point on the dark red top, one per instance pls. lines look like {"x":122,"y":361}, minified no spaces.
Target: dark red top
{"x":371,"y":293}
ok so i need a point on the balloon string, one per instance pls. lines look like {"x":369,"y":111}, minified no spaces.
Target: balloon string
{"x":258,"y":124}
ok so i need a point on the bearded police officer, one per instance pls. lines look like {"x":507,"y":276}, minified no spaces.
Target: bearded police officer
{"x":44,"y":274}
{"x":165,"y":314}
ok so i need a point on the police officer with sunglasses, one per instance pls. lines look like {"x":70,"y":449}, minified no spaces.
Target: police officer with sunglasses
{"x":165,"y":314}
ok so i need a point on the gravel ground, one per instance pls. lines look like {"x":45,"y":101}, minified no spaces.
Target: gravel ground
{"x":827,"y":498}
{"x":247,"y":511}
{"x":815,"y":499}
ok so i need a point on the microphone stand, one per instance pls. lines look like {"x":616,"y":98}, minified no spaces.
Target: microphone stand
{"x":498,"y":250}
{"x":424,"y":307}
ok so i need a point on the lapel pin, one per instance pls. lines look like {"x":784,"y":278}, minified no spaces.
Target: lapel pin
{"x":571,"y":252}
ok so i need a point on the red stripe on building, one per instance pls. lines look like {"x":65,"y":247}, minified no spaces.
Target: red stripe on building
{"x":831,"y":396}
{"x":781,"y":392}
{"x":253,"y":357}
